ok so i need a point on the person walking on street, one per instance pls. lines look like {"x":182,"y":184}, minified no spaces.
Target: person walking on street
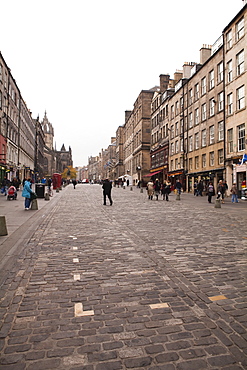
{"x":221,"y":191}
{"x":199,"y":188}
{"x":26,"y":193}
{"x":107,"y":186}
{"x":157,"y":188}
{"x":166,"y":189}
{"x":234,"y":192}
{"x":178,"y":187}
{"x":211,"y":192}
{"x":74,"y":182}
{"x":5,"y":185}
{"x":150,"y":189}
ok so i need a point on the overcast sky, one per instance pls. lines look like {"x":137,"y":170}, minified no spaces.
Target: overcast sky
{"x":86,"y":61}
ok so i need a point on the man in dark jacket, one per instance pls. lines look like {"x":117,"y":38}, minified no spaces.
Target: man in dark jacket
{"x":107,"y":186}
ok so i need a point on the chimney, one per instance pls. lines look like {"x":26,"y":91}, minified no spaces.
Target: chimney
{"x":205,"y":53}
{"x":187,"y":67}
{"x":127,"y":115}
{"x":177,"y":76}
{"x":164,"y":82}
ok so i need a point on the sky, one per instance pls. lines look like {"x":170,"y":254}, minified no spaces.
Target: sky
{"x":85,"y":62}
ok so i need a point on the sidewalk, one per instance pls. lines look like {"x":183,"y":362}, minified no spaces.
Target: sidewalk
{"x":20,"y":225}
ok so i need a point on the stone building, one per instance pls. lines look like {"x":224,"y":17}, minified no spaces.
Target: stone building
{"x":136,"y":137}
{"x":235,"y":77}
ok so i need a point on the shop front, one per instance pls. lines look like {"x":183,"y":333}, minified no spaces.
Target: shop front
{"x":239,"y":177}
{"x":174,"y":176}
{"x":206,"y":177}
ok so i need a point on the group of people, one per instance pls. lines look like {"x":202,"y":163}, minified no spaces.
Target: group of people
{"x":222,"y":187}
{"x":156,"y":188}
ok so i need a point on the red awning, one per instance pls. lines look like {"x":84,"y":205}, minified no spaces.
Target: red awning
{"x":151,"y":174}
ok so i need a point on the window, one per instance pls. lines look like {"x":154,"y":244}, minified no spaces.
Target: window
{"x":230,"y":140}
{"x":181,"y":126}
{"x":203,"y":86}
{"x":220,"y":101}
{"x":204,"y":112}
{"x":241,"y":137}
{"x":190,"y":119}
{"x":1,"y":72}
{"x":211,"y":134}
{"x":229,"y":104}
{"x":240,"y":98}
{"x":1,"y":100}
{"x":196,"y":91}
{"x":172,"y":111}
{"x":196,"y":162}
{"x":190,"y":164}
{"x":240,"y":29}
{"x":220,"y":156}
{"x":220,"y":72}
{"x":229,"y":40}
{"x":204,"y":160}
{"x":240,"y":62}
{"x":211,"y":107}
{"x":190,"y":96}
{"x":176,"y":164}
{"x":172,"y":148}
{"x":172,"y":131}
{"x":220,"y":131}
{"x":176,"y":108}
{"x":190,"y":144}
{"x":197,"y":140}
{"x":176,"y":129}
{"x":211,"y":79}
{"x":172,"y":168}
{"x":176,"y":146}
{"x":204,"y":138}
{"x":229,"y":71}
{"x":181,"y":145}
{"x":196,"y":116}
{"x":211,"y":157}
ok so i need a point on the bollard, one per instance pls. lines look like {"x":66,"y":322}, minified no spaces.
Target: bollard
{"x":141,"y":190}
{"x":123,"y":187}
{"x":178,"y":197}
{"x":34,"y":205}
{"x":3,"y":228}
{"x":131,"y":188}
{"x":60,"y":188}
{"x":57,"y":190}
{"x":47,"y":196}
{"x":217,"y":203}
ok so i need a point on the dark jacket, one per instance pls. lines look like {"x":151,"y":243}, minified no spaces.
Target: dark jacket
{"x":107,"y":186}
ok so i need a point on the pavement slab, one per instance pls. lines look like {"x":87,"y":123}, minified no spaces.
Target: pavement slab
{"x":140,"y":284}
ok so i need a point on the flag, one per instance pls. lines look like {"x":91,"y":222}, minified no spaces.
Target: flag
{"x":244,"y":159}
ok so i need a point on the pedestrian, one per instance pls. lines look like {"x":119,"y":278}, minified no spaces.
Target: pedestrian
{"x":195,"y":188}
{"x":150,"y":189}
{"x":166,"y":190}
{"x":4,"y":186}
{"x":234,"y":192}
{"x":27,"y":193}
{"x":157,"y":188}
{"x":16,"y":183}
{"x":107,"y":186}
{"x":199,"y":188}
{"x":221,"y":191}
{"x":210,"y":192}
{"x":74,"y":182}
{"x":178,"y":187}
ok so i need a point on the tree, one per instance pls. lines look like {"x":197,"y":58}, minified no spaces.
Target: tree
{"x":69,"y":173}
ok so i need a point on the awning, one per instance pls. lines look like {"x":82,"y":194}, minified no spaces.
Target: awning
{"x":151,"y":174}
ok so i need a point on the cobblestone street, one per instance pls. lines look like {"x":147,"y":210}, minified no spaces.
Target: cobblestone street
{"x":139,"y":285}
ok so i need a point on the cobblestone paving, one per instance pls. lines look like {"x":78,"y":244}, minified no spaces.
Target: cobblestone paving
{"x":141,"y":284}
